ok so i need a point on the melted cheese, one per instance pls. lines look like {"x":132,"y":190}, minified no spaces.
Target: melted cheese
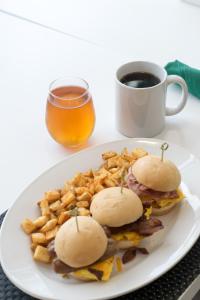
{"x":128,"y":236}
{"x":106,"y":267}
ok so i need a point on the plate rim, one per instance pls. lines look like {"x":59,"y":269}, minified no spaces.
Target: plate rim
{"x":70,"y":156}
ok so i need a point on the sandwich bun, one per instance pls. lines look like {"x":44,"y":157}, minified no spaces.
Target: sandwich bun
{"x":161,"y":211}
{"x":80,"y":248}
{"x":114,"y":208}
{"x":155,"y":174}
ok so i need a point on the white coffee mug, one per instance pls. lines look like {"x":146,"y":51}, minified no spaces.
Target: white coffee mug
{"x":140,"y":112}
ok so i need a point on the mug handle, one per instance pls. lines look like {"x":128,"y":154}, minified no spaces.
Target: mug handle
{"x":170,"y":111}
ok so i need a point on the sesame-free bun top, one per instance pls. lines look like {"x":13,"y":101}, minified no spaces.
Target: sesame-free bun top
{"x":80,"y":249}
{"x":158,"y":175}
{"x":114,"y":208}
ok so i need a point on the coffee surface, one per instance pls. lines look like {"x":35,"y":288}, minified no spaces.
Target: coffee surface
{"x":140,"y":80}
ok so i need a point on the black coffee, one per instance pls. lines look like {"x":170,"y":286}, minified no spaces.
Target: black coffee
{"x":140,"y":80}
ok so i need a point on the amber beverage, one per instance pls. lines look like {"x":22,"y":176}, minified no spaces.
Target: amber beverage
{"x":70,"y":116}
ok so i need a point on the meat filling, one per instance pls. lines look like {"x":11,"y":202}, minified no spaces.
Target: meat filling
{"x":142,"y":190}
{"x":142,"y":226}
{"x":130,"y":254}
{"x":62,"y":268}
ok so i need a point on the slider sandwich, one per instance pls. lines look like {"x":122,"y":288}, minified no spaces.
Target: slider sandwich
{"x":121,"y":213}
{"x":81,"y":249}
{"x":156,"y":182}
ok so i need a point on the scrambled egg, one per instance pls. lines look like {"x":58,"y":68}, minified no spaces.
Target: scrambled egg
{"x":166,"y":202}
{"x":148,"y":212}
{"x":118,"y":262}
{"x":105,"y":266}
{"x":128,"y":236}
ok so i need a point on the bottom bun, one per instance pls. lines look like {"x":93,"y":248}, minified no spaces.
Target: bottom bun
{"x":163,"y":210}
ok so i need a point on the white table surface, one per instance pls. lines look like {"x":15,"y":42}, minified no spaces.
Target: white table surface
{"x":140,"y":27}
{"x":31,"y":56}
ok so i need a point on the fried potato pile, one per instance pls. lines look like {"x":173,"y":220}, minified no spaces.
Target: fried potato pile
{"x":56,"y":205}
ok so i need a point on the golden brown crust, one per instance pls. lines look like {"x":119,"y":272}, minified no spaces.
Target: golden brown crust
{"x":80,"y":248}
{"x":114,"y":208}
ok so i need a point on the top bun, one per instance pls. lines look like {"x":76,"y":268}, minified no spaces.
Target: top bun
{"x":113,"y":208}
{"x":80,"y":249}
{"x":157,"y":175}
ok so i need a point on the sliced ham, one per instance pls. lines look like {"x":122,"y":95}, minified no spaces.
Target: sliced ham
{"x":142,"y":190}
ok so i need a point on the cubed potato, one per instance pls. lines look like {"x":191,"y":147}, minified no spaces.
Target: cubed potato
{"x":28,"y":226}
{"x":41,"y":254}
{"x":38,"y":238}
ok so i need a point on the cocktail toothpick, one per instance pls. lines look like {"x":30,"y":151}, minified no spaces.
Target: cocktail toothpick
{"x":163,"y":148}
{"x":74,"y":213}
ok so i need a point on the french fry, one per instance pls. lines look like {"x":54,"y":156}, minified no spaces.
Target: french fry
{"x":71,"y":205}
{"x":114,"y":170}
{"x":63,"y":192}
{"x":67,"y":199}
{"x":82,"y":204}
{"x":79,"y":180}
{"x":52,"y":216}
{"x":55,"y":205}
{"x":108,"y":154}
{"x":52,"y":196}
{"x":125,"y":155}
{"x":44,"y":206}
{"x":83,"y":211}
{"x":98,"y":188}
{"x":139,"y":152}
{"x":123,"y":163}
{"x":59,"y":211}
{"x":28,"y":226}
{"x":80,"y":190}
{"x":49,"y":225}
{"x":109,"y":182}
{"x":41,"y":221}
{"x":117,"y":175}
{"x":103,"y":172}
{"x":38,"y":238}
{"x":113,"y":162}
{"x":51,"y":234}
{"x":86,"y":196}
{"x":41,"y":254}
{"x":63,"y":217}
{"x":88,"y":173}
{"x":92,"y":188}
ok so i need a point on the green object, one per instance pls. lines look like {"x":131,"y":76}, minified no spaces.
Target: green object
{"x":191,"y":75}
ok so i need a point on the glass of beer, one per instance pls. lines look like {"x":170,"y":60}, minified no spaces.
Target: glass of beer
{"x":70,"y":115}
